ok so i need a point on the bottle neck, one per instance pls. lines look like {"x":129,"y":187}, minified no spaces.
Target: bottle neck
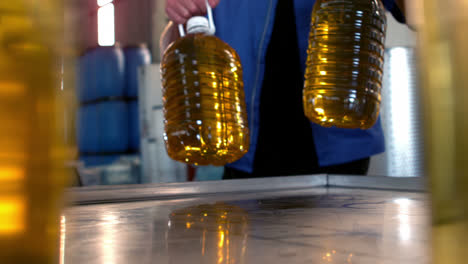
{"x":199,"y":30}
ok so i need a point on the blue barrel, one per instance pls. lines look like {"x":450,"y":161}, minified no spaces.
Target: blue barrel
{"x":135,"y":57}
{"x":103,"y":128}
{"x":86,"y":82}
{"x":113,"y":124}
{"x":88,"y":126}
{"x":81,"y":77}
{"x":133,"y":126}
{"x":91,"y":92}
{"x":106,"y":75}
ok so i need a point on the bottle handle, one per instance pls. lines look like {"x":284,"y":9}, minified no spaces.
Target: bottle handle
{"x":210,"y":21}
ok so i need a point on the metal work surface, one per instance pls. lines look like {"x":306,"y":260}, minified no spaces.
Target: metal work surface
{"x":126,"y":193}
{"x":313,"y":225}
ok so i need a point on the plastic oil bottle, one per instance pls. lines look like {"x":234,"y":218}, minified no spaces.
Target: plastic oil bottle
{"x":344,"y":67}
{"x":32,"y":151}
{"x":203,"y":98}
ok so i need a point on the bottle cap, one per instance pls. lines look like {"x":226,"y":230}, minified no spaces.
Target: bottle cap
{"x":198,"y":24}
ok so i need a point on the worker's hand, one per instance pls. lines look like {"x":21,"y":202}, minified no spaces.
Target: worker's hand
{"x":179,"y":11}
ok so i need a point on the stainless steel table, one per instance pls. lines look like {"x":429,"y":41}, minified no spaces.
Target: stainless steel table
{"x":307,"y":219}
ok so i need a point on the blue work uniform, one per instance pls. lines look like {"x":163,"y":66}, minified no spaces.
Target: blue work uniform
{"x":247,"y":25}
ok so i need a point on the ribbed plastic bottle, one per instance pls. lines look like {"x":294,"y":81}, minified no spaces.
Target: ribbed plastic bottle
{"x":203,"y":98}
{"x":344,"y":66}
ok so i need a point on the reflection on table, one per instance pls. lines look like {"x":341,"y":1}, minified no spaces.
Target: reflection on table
{"x":217,"y":231}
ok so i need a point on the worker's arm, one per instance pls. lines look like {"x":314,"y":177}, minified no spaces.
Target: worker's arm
{"x":179,"y":11}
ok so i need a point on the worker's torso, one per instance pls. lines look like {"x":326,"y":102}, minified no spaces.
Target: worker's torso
{"x":247,"y":26}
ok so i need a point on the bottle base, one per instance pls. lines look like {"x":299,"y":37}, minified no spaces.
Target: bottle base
{"x":341,"y":109}
{"x":206,"y":145}
{"x":203,"y":157}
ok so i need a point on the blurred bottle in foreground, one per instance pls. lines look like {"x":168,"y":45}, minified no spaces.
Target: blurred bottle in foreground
{"x":444,"y":64}
{"x":32,"y":131}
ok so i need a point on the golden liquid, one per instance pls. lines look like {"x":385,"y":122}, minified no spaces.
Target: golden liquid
{"x":344,"y":68}
{"x":444,"y":63}
{"x":32,"y":173}
{"x":218,"y":232}
{"x":204,"y":104}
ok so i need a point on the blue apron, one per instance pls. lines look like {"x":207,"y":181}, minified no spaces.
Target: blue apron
{"x":247,"y":25}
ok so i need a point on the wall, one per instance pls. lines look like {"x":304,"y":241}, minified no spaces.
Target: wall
{"x":400,"y":107}
{"x":133,"y":22}
{"x":399,"y":34}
